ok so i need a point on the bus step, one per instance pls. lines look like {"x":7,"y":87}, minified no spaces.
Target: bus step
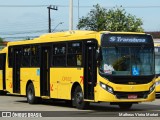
{"x":89,"y":100}
{"x":45,"y":97}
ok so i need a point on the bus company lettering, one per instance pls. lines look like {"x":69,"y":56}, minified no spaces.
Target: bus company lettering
{"x":127,"y":40}
{"x":64,"y":78}
{"x":51,"y":87}
{"x":118,"y":88}
{"x":120,"y":39}
{"x":10,"y":85}
{"x":82,"y":79}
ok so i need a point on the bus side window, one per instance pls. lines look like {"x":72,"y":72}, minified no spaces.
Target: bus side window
{"x":26,"y":56}
{"x":79,"y":60}
{"x":75,"y":47}
{"x":74,"y":56}
{"x":59,"y":55}
{"x":35,"y":56}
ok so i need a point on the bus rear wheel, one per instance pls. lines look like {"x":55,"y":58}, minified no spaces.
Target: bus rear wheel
{"x":31,"y":94}
{"x":79,"y":99}
{"x":125,"y":105}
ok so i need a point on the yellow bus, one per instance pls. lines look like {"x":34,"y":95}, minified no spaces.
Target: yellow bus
{"x":157,"y":68}
{"x":2,"y":71}
{"x":82,"y":67}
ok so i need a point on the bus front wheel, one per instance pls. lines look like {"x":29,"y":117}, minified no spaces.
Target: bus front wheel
{"x":31,"y":94}
{"x":79,"y":99}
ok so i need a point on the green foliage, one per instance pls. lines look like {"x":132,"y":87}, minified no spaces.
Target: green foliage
{"x":1,"y":40}
{"x":28,"y":38}
{"x":116,"y":19}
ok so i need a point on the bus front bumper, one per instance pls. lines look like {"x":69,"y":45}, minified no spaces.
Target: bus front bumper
{"x":120,"y":96}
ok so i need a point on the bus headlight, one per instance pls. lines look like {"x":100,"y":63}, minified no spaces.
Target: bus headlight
{"x":157,"y":83}
{"x":106,"y":87}
{"x":151,"y":88}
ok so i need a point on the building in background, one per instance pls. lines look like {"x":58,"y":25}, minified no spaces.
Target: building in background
{"x":156,"y":36}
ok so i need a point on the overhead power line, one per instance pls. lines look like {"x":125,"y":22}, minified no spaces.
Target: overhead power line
{"x":37,"y":6}
{"x":31,"y":31}
{"x":23,"y":6}
{"x":20,"y":37}
{"x":23,"y":32}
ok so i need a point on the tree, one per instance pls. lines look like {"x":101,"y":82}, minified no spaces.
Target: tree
{"x":115,"y":19}
{"x":28,"y":38}
{"x":1,"y":40}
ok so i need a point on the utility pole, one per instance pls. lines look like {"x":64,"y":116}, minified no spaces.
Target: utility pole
{"x":78,"y":10}
{"x":53,"y":7}
{"x":71,"y":15}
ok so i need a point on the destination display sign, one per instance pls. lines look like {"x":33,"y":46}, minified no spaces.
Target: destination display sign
{"x":120,"y":39}
{"x":126,"y":39}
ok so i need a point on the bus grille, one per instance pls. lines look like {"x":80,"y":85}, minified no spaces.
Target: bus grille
{"x":126,"y":80}
{"x":124,"y":95}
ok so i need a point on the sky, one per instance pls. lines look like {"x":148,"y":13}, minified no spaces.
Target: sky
{"x":17,"y":20}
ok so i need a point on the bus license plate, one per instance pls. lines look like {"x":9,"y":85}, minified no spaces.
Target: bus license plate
{"x":132,"y":96}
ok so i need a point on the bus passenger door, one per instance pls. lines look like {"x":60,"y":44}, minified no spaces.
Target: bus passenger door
{"x":90,"y":70}
{"x":45,"y":71}
{"x":16,"y":70}
{"x":2,"y":70}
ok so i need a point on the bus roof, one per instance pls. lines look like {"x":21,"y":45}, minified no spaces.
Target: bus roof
{"x":122,"y":32}
{"x":68,"y":35}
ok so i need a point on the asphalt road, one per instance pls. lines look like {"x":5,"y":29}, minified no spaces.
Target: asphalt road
{"x":60,"y":110}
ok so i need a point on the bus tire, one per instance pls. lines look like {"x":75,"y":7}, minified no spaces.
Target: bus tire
{"x":79,"y":99}
{"x":3,"y":92}
{"x":125,"y":105}
{"x":31,"y":99}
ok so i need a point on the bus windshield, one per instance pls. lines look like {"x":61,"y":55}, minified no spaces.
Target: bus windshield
{"x":135,"y":61}
{"x":157,"y":60}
